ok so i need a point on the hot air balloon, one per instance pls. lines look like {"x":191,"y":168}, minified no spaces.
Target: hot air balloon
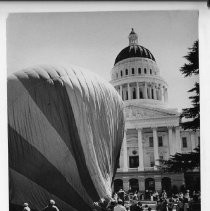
{"x":65,"y":130}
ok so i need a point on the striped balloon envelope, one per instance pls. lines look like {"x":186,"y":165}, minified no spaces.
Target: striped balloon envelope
{"x":65,"y":130}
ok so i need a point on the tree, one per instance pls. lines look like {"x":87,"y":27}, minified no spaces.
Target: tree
{"x":189,"y":69}
{"x":182,"y":162}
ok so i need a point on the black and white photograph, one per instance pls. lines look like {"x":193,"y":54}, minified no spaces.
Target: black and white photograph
{"x":103,"y":111}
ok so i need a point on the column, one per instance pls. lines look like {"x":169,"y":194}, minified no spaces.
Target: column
{"x":166,"y":95}
{"x":121,"y":92}
{"x":141,"y":183}
{"x":161,"y":93}
{"x":140,"y":147}
{"x":155,"y":143}
{"x":158,"y":185}
{"x":129,"y":92}
{"x":178,"y":140}
{"x":125,"y":183}
{"x":150,"y":91}
{"x":137,"y":91}
{"x":145,"y":91}
{"x":170,"y":141}
{"x":192,"y":139}
{"x":125,"y":154}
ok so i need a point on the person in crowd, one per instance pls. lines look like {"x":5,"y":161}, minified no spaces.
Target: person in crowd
{"x":151,"y":197}
{"x":115,"y":196}
{"x":187,"y":195}
{"x":159,"y":206}
{"x":170,"y":204}
{"x":164,"y":205}
{"x":121,"y":195}
{"x":180,"y":205}
{"x":51,"y":206}
{"x":119,"y":206}
{"x":140,"y":208}
{"x":181,"y":195}
{"x":133,"y":206}
{"x":155,"y":195}
{"x":111,"y":205}
{"x":186,"y":204}
{"x":146,"y":207}
{"x":164,"y":194}
{"x":147,"y":194}
{"x":26,"y":207}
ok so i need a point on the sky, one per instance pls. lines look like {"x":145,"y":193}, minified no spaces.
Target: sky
{"x":93,"y":40}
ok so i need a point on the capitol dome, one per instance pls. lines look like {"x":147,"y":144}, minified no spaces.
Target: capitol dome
{"x":136,"y":76}
{"x":134,"y":51}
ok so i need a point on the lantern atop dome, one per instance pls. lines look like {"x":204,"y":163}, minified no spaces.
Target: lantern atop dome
{"x":133,"y":38}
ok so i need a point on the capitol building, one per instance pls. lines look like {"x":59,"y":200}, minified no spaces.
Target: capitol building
{"x":152,"y":130}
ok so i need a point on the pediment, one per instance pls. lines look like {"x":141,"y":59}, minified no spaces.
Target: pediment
{"x":141,"y":112}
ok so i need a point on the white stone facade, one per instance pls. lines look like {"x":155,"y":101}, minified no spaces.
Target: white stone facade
{"x":152,"y":130}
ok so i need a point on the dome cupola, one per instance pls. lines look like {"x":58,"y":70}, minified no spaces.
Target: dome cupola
{"x":133,"y":38}
{"x":133,"y":50}
{"x":136,"y":76}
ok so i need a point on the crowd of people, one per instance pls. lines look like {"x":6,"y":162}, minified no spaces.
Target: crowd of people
{"x":137,"y":201}
{"x":50,"y":207}
{"x":122,"y":201}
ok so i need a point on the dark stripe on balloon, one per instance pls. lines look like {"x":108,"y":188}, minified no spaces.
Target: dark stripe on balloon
{"x":52,"y":99}
{"x":28,"y":161}
{"x":21,"y":184}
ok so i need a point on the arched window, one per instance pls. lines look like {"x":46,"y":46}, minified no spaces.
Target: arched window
{"x":152,"y":93}
{"x":139,"y":71}
{"x":133,"y":71}
{"x":121,"y":73}
{"x":126,"y":95}
{"x":150,"y":71}
{"x":126,"y":71}
{"x":145,"y":71}
{"x":118,"y":184}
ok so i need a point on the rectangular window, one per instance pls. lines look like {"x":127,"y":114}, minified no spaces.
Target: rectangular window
{"x":160,"y":141}
{"x":184,"y":142}
{"x":133,"y":161}
{"x":161,"y":157}
{"x":151,"y":141}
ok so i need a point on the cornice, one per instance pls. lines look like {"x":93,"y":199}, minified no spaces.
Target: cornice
{"x":138,"y":78}
{"x":152,"y":122}
{"x":168,"y":111}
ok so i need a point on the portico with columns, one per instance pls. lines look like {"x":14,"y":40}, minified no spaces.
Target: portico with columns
{"x":152,"y":130}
